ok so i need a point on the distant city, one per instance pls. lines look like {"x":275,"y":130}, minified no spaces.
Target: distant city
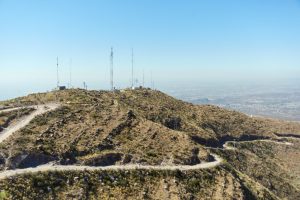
{"x":277,"y":101}
{"x":281,"y":101}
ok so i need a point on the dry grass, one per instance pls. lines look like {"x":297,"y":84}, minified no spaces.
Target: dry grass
{"x":148,"y":127}
{"x":139,"y":184}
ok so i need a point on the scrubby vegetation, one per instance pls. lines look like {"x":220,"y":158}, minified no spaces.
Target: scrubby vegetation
{"x":273,"y":165}
{"x":8,"y":117}
{"x":138,"y":184}
{"x":143,"y":126}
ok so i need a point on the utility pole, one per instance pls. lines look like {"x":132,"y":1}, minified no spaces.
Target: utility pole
{"x":57,"y":73}
{"x":112,"y":70}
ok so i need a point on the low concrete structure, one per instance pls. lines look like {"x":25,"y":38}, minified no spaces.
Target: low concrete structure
{"x":62,"y":87}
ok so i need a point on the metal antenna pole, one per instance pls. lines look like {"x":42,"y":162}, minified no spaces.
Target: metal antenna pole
{"x":112,"y":69}
{"x":70,"y":83}
{"x":143,"y":79}
{"x":57,"y":73}
{"x":132,"y":79}
{"x":151,"y":81}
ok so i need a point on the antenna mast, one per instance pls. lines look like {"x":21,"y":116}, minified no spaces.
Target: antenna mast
{"x":70,"y":83}
{"x":132,"y":84}
{"x":57,"y":73}
{"x":143,"y":79}
{"x":112,"y":69}
{"x":151,"y":83}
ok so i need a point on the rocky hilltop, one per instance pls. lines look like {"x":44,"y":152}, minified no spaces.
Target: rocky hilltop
{"x":144,"y":127}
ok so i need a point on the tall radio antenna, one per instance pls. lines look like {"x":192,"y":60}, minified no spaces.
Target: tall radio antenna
{"x":151,"y":81}
{"x":112,"y":69}
{"x":132,"y":79}
{"x":57,"y":73}
{"x":70,"y":83}
{"x":143,"y":79}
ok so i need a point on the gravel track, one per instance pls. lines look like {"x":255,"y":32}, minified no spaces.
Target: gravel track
{"x":22,"y":122}
{"x":41,"y":109}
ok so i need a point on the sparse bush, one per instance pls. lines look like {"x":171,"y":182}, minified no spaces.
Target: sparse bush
{"x":3,"y":195}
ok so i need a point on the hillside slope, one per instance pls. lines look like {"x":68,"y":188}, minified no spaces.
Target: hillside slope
{"x":100,"y":128}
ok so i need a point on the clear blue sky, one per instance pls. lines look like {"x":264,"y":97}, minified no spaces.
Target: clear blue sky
{"x":180,"y":41}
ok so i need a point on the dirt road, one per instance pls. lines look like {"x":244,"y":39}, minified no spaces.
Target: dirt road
{"x":43,"y":168}
{"x":22,"y":122}
{"x":230,"y":147}
{"x":40,"y":109}
{"x":10,"y":109}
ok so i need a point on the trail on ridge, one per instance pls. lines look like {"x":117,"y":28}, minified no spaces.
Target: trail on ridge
{"x":41,"y":109}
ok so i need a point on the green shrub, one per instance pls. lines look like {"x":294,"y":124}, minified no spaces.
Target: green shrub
{"x":3,"y":195}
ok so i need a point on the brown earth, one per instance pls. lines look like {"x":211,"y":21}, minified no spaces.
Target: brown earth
{"x":149,"y":127}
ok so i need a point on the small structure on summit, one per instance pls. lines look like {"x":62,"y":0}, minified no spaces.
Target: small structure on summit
{"x":62,"y":87}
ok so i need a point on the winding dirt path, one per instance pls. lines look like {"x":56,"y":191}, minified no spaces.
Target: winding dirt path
{"x":229,"y":147}
{"x":10,"y":109}
{"x":40,"y":109}
{"x":48,"y":167}
{"x":43,"y":168}
{"x":22,"y":122}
